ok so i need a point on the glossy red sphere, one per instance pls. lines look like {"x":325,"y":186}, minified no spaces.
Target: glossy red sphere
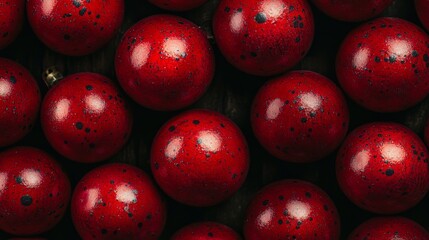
{"x":200,"y":158}
{"x":117,"y":201}
{"x":383,"y":168}
{"x":34,"y":191}
{"x":352,"y":10}
{"x":19,"y":102}
{"x":384,"y":65}
{"x":300,"y":117}
{"x":422,"y":8}
{"x":206,"y":231}
{"x":85,"y":118}
{"x":165,"y":62}
{"x":178,"y":5}
{"x":11,"y":20}
{"x":291,"y":209}
{"x":389,"y":228}
{"x":263,"y":37}
{"x":75,"y":27}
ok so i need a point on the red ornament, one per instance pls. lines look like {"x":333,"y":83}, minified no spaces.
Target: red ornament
{"x":206,"y":231}
{"x":75,"y":27}
{"x":291,"y":209}
{"x":117,"y":201}
{"x":178,"y":5}
{"x":422,"y":8}
{"x":200,"y":158}
{"x":300,"y":117}
{"x":389,"y":228}
{"x":384,"y":65}
{"x":263,"y":37}
{"x":19,"y":102}
{"x":85,"y":118}
{"x":34,"y":191}
{"x":165,"y":62}
{"x":383,"y":168}
{"x":11,"y":20}
{"x":352,"y":10}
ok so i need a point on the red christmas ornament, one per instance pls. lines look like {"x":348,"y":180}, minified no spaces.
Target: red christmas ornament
{"x":85,"y":117}
{"x":34,"y":191}
{"x":352,"y":10}
{"x":389,"y":228}
{"x":19,"y":102}
{"x":291,"y":209}
{"x":422,"y":8}
{"x":117,"y":201}
{"x":165,"y":62}
{"x":263,"y":37}
{"x":383,"y":168}
{"x":206,"y":231}
{"x":11,"y":20}
{"x":75,"y":27}
{"x":200,"y":158}
{"x":383,"y":65}
{"x":300,"y":117}
{"x":178,"y":5}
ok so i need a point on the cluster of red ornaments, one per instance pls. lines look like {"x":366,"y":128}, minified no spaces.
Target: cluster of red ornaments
{"x":201,"y":158}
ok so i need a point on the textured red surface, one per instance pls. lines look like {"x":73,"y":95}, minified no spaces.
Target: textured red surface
{"x":75,"y":27}
{"x":11,"y":20}
{"x":300,"y":117}
{"x":383,"y":168}
{"x":422,"y":8}
{"x":263,"y":37}
{"x":200,"y":158}
{"x":34,"y":191}
{"x":206,"y":231}
{"x":291,"y":209}
{"x":117,"y":201}
{"x":85,"y":118}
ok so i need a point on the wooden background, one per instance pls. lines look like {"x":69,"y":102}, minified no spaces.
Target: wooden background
{"x":231,"y":93}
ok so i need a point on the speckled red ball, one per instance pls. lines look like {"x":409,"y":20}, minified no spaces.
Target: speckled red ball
{"x":34,"y":191}
{"x":383,"y":168}
{"x":19,"y":102}
{"x":422,"y":8}
{"x":263,"y":37}
{"x":11,"y":20}
{"x":291,"y":209}
{"x":352,"y":10}
{"x":117,"y":201}
{"x":389,"y":228}
{"x":165,"y":62}
{"x":383,"y":65}
{"x":200,"y":158}
{"x":85,"y":118}
{"x":178,"y":5}
{"x":75,"y":27}
{"x":300,"y":117}
{"x":206,"y":231}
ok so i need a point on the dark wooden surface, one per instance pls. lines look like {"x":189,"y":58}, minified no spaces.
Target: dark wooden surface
{"x":231,"y":93}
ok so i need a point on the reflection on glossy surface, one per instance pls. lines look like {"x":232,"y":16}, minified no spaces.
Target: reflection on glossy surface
{"x":125,"y":194}
{"x":265,"y":218}
{"x":31,"y":178}
{"x":174,"y":48}
{"x":237,"y":22}
{"x":393,"y":153}
{"x":272,"y":8}
{"x":360,"y":161}
{"x":61,"y":110}
{"x":209,"y":141}
{"x":95,"y":104}
{"x":400,"y":48}
{"x":360,"y":59}
{"x":3,"y":181}
{"x":91,"y":198}
{"x":310,"y":101}
{"x":140,"y":54}
{"x":5,"y":88}
{"x":173,"y":148}
{"x":299,"y":210}
{"x":274,"y":109}
{"x":48,"y":7}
